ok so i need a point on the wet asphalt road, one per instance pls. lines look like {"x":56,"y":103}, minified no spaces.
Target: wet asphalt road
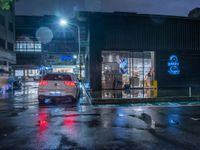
{"x":26,"y":125}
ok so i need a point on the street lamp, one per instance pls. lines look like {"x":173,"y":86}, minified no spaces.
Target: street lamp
{"x":63,"y":22}
{"x":74,"y":56}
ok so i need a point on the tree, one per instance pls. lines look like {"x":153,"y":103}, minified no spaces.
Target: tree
{"x":5,"y":4}
{"x":195,"y":13}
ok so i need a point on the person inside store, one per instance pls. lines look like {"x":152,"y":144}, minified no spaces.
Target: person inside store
{"x":148,"y":78}
{"x":127,"y":87}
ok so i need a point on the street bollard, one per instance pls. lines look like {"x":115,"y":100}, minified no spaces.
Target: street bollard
{"x":155,"y":88}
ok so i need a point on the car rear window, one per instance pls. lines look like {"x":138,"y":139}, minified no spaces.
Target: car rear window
{"x":59,"y":77}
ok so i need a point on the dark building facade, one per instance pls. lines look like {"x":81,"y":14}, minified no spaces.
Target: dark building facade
{"x":27,"y":48}
{"x":7,"y":38}
{"x":42,"y":45}
{"x":134,"y":49}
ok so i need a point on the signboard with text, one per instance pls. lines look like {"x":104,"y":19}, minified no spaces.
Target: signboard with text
{"x":59,"y":59}
{"x":173,"y":65}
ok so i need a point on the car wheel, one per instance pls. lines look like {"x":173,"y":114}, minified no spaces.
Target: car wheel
{"x":78,"y":95}
{"x":73,"y":99}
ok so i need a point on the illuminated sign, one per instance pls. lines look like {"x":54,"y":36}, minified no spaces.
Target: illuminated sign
{"x":59,"y":59}
{"x":66,"y":58}
{"x":123,"y":65}
{"x":173,"y":65}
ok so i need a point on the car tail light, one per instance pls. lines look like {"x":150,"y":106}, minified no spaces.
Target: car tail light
{"x":43,"y":83}
{"x":69,"y":83}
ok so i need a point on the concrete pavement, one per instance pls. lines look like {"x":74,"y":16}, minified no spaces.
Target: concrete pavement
{"x":26,"y":125}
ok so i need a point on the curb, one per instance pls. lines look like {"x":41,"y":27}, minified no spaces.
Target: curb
{"x":95,"y":101}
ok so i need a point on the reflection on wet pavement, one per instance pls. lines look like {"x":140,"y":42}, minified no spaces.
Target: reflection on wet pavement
{"x":133,"y":93}
{"x":27,"y":125}
{"x":20,"y":99}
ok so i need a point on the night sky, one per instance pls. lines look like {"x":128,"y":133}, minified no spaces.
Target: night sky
{"x":66,"y":7}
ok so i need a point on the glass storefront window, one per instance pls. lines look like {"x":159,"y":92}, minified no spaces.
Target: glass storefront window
{"x":19,"y":73}
{"x":148,"y":69}
{"x":28,"y":46}
{"x":137,"y":76}
{"x":127,"y":69}
{"x":37,"y":46}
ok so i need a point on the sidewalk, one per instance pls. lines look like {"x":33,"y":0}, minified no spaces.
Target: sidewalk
{"x":138,"y":96}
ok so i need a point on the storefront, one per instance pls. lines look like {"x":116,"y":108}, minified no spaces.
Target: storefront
{"x":133,"y":50}
{"x":28,"y":73}
{"x":68,"y":69}
{"x":127,"y":69}
{"x":63,"y":63}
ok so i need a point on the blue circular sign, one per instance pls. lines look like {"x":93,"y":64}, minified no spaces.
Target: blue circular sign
{"x":173,"y":65}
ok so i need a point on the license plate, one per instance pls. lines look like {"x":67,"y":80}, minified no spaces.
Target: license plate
{"x":55,"y":93}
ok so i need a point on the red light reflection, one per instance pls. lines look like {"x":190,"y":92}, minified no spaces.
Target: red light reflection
{"x":43,"y":123}
{"x":69,"y":120}
{"x":69,"y":123}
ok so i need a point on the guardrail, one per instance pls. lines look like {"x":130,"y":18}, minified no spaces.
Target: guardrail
{"x":86,"y":93}
{"x":189,"y":91}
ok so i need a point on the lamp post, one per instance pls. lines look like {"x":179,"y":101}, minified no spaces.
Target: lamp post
{"x":64,"y":23}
